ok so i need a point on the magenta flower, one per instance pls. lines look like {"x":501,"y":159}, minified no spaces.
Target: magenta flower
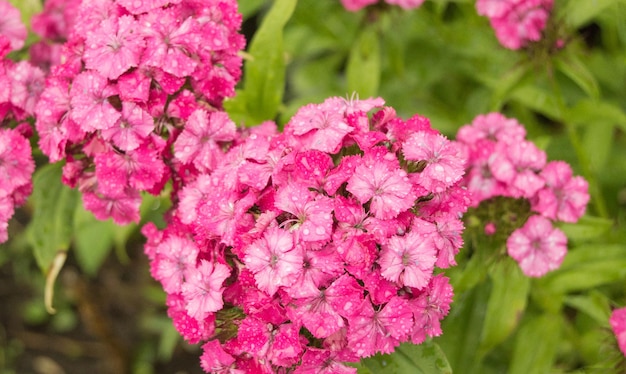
{"x":203,"y":288}
{"x":91,"y":108}
{"x":618,"y":324}
{"x":537,"y":246}
{"x":408,"y":260}
{"x":274,"y":260}
{"x":173,"y":258}
{"x":114,"y":47}
{"x":564,"y":197}
{"x":389,"y":190}
{"x":11,"y":27}
{"x":133,"y":126}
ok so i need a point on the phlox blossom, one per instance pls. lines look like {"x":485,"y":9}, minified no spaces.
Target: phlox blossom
{"x":11,"y":26}
{"x":564,"y":197}
{"x":408,"y":260}
{"x":537,"y":246}
{"x":274,"y":259}
{"x":389,"y":190}
{"x":203,"y":288}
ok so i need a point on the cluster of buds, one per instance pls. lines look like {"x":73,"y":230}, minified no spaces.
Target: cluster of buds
{"x":501,"y":162}
{"x":516,"y":22}
{"x":20,"y":86}
{"x":315,"y":246}
{"x":131,"y":74}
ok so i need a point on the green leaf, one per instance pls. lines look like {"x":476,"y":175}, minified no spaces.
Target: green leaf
{"x":537,"y":99}
{"x":585,"y":268}
{"x":52,"y":225}
{"x":264,"y":77}
{"x":250,"y":7}
{"x":93,"y":240}
{"x":462,"y":327}
{"x":598,"y":143}
{"x":363,"y":70}
{"x":506,"y":84}
{"x":589,"y":111}
{"x":577,"y":71}
{"x":578,"y":13}
{"x":507,"y":301}
{"x":425,"y":358}
{"x":587,"y":228}
{"x":595,"y":304}
{"x":536,"y":344}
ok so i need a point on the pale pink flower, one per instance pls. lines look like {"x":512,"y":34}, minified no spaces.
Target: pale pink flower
{"x":618,"y":324}
{"x":444,"y":160}
{"x":114,"y":47}
{"x":11,"y":25}
{"x":389,"y":190}
{"x":374,"y":329}
{"x":408,"y":260}
{"x":517,"y":165}
{"x":170,"y":43}
{"x":199,"y":141}
{"x":274,"y":260}
{"x":564,"y":197}
{"x":203,"y":288}
{"x":320,"y":126}
{"x":174,"y":256}
{"x":27,"y":84}
{"x":123,"y":207}
{"x":537,"y":246}
{"x":429,"y":308}
{"x":91,"y":108}
{"x":129,"y":132}
{"x":494,"y":127}
{"x":313,"y":219}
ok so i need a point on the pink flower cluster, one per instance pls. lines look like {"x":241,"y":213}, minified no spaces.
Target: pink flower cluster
{"x":516,"y":22}
{"x":618,"y":324}
{"x":132,"y":73}
{"x":53,"y":26}
{"x":501,"y":162}
{"x":20,"y":87}
{"x":314,"y":246}
{"x":355,"y":5}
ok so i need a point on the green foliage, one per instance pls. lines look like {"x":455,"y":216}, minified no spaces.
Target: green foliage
{"x":264,"y":72}
{"x":51,"y":228}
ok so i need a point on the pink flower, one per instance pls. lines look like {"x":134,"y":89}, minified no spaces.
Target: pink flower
{"x":215,"y":360}
{"x":11,"y":26}
{"x":321,"y":361}
{"x":114,"y":47}
{"x":406,"y":4}
{"x":564,"y":197}
{"x":123,"y":206}
{"x":199,"y":141}
{"x":91,"y":108}
{"x":312,"y":220}
{"x":274,"y":260}
{"x":388,"y":189}
{"x":537,"y":246}
{"x":618,"y":324}
{"x":129,"y":132}
{"x":27,"y":84}
{"x":174,"y":256}
{"x":379,"y":330}
{"x":354,"y":5}
{"x":203,"y":288}
{"x":429,"y":308}
{"x":408,"y":260}
{"x":517,"y":165}
{"x":444,"y":161}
